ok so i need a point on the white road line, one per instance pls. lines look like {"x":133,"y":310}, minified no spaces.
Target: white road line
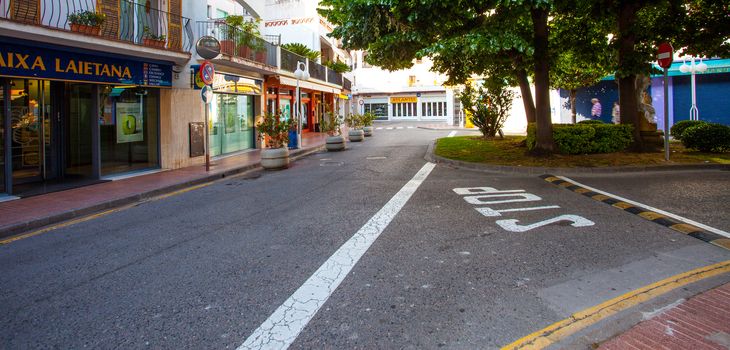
{"x":452,"y":133}
{"x":673,"y":216}
{"x":281,"y":328}
{"x":411,"y":127}
{"x":400,"y":127}
{"x":379,"y":128}
{"x":389,"y":128}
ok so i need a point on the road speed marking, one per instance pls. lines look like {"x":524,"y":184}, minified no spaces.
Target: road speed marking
{"x":283,"y":326}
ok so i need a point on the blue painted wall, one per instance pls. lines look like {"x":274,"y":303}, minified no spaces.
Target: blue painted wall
{"x":606,"y":91}
{"x":713,"y":97}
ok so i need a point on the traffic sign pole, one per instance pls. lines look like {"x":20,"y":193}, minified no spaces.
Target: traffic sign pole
{"x":665,"y":56}
{"x":666,"y":114}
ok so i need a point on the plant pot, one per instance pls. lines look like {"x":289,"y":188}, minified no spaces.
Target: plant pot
{"x":368,"y":130}
{"x":275,"y":158}
{"x":82,"y":28}
{"x":260,"y":56}
{"x":160,"y":44}
{"x":335,"y":143}
{"x":356,"y":135}
{"x":245,"y":52}
{"x":227,"y":47}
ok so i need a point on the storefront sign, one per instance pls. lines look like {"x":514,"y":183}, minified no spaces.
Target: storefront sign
{"x":343,"y":97}
{"x":55,"y":63}
{"x":403,"y":99}
{"x":234,"y":84}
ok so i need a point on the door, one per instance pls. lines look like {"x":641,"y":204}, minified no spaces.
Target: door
{"x":77,"y":146}
{"x":31,"y":129}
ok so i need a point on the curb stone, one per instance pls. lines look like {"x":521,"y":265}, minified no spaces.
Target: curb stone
{"x":11,"y":230}
{"x":432,"y":157}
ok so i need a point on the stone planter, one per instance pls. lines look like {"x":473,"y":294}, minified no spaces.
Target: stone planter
{"x":368,"y":130}
{"x":335,"y":143}
{"x":275,"y":158}
{"x":356,"y":135}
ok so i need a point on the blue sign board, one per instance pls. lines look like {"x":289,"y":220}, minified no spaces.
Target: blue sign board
{"x":53,"y":62}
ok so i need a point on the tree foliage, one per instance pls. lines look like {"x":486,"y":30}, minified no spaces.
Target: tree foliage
{"x":489,"y":106}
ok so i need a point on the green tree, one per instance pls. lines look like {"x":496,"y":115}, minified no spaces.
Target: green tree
{"x":301,"y":50}
{"x":396,"y":32}
{"x":488,"y":104}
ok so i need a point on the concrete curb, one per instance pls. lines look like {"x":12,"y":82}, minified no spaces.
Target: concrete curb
{"x":11,"y":230}
{"x":431,"y":157}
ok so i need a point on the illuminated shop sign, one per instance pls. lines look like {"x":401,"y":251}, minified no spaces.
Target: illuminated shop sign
{"x":50,"y":62}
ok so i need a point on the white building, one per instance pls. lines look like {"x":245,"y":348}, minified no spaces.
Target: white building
{"x":411,"y":94}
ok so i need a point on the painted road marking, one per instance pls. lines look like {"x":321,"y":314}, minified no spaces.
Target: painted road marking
{"x":389,"y":128}
{"x":411,"y":127}
{"x":678,"y":223}
{"x":281,"y":328}
{"x":379,"y":128}
{"x":582,"y":319}
{"x":400,"y":127}
{"x":451,"y":134}
{"x":475,"y":196}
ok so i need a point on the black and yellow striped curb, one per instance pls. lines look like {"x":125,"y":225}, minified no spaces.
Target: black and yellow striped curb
{"x":652,"y":216}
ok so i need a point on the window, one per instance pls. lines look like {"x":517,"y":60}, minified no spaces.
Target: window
{"x":412,"y":80}
{"x":379,"y":109}
{"x":220,"y":13}
{"x":209,"y":12}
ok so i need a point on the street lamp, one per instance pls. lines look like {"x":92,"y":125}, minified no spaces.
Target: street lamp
{"x":694,"y":113}
{"x":301,"y":74}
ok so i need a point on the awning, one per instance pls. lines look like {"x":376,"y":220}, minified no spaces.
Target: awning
{"x":713,"y":67}
{"x":309,"y":85}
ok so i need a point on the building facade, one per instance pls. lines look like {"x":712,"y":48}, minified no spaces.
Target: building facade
{"x":414,"y":94}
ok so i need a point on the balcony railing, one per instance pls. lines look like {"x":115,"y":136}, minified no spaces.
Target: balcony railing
{"x":289,"y":60}
{"x":317,"y":71}
{"x":126,"y":20}
{"x":346,"y":84}
{"x":240,"y":44}
{"x":334,"y":77}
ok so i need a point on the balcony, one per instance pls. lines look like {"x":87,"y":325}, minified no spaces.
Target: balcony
{"x":125,"y":21}
{"x":239,"y":44}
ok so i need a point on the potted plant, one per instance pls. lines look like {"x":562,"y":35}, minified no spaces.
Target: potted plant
{"x":367,"y":122}
{"x":332,"y":127}
{"x":354,"y":122}
{"x":152,"y":40}
{"x":229,"y":32}
{"x":273,"y":129}
{"x":87,"y":22}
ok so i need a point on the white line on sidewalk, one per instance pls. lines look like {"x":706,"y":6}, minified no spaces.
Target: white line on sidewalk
{"x":281,"y":328}
{"x":452,"y":133}
{"x":673,"y":216}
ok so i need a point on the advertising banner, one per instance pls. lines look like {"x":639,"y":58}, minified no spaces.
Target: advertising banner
{"x":130,"y":122}
{"x":53,"y":62}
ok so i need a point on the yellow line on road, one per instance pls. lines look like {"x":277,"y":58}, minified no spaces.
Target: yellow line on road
{"x":582,"y":319}
{"x":103,"y":213}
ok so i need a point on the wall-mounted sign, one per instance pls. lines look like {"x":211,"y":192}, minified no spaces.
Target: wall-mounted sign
{"x":403,"y":99}
{"x":208,"y":47}
{"x":53,"y":62}
{"x":207,"y":72}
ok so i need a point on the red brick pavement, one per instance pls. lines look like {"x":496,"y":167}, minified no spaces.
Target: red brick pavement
{"x":702,"y":322}
{"x":32,"y":212}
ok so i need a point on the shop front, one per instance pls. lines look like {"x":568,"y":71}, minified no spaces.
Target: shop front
{"x":231,"y":121}
{"x":73,"y":117}
{"x":315,"y":102}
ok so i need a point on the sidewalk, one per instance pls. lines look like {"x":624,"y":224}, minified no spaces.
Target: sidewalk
{"x":702,"y":322}
{"x":33,"y":212}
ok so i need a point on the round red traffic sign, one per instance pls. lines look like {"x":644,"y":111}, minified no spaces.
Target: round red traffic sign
{"x":665,"y":55}
{"x":207,"y":72}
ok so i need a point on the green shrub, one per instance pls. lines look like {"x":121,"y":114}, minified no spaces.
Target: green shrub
{"x":707,"y":137}
{"x":586,"y":138}
{"x":679,"y":127}
{"x":590,"y":121}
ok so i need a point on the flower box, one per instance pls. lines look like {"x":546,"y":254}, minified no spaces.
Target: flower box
{"x":160,"y":44}
{"x":85,"y":29}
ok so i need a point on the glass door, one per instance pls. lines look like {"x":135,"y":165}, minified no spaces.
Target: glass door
{"x":26,"y":114}
{"x":78,"y":144}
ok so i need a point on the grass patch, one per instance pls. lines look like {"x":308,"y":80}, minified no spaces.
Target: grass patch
{"x":508,"y":151}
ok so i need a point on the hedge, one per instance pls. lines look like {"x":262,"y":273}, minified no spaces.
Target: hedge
{"x":707,"y":137}
{"x":679,"y":127}
{"x":586,"y":138}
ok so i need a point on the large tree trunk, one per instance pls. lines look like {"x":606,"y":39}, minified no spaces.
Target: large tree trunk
{"x":573,"y":95}
{"x":627,"y":84}
{"x":526,"y":95}
{"x":544,"y":138}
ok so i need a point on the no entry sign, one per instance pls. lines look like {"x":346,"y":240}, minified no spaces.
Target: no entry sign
{"x":665,"y":55}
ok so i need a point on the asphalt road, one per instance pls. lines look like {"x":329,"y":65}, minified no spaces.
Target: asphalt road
{"x":207,"y":268}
